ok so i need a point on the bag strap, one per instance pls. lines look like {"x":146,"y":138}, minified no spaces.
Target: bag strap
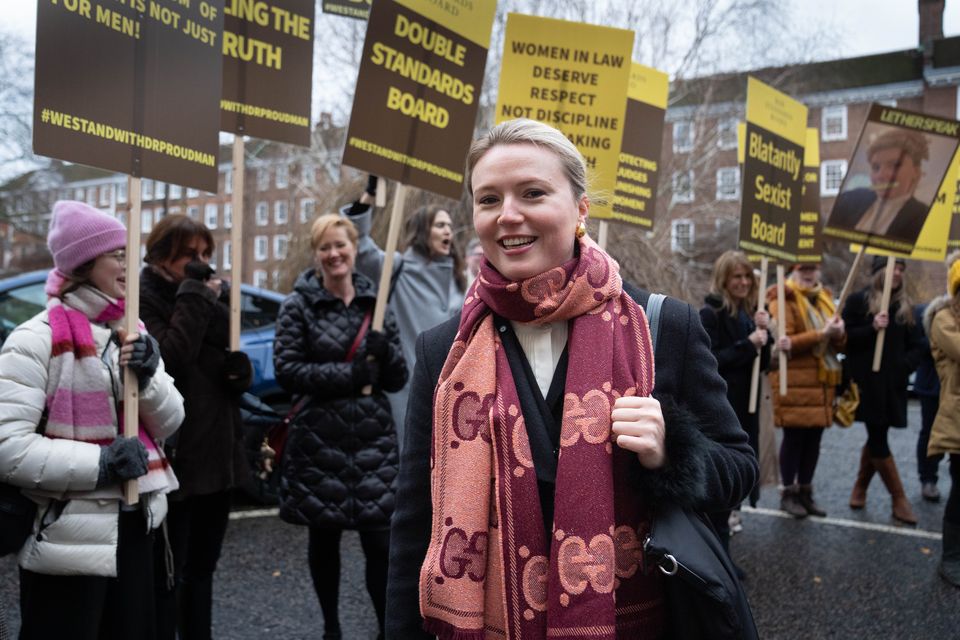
{"x":654,"y":304}
{"x":360,"y":334}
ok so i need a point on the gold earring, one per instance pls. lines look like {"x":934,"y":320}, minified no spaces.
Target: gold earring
{"x":581,"y":229}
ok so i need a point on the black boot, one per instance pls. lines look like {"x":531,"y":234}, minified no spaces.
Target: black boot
{"x":950,"y":560}
{"x":805,"y":496}
{"x":790,"y":502}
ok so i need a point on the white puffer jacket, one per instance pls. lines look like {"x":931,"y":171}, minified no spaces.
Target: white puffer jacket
{"x":82,"y":539}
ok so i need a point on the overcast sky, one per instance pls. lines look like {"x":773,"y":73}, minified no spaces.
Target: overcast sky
{"x":871,"y":26}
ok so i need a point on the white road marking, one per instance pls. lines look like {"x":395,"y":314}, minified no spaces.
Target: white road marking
{"x":254,"y":513}
{"x":851,"y":524}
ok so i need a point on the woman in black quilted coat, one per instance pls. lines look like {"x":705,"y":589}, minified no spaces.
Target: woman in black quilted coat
{"x":339,"y":467}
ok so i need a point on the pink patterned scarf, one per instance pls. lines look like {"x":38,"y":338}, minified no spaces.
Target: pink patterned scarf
{"x":80,"y":406}
{"x":486,"y":573}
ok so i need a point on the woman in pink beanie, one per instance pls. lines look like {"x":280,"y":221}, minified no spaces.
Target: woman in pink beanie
{"x":86,"y":569}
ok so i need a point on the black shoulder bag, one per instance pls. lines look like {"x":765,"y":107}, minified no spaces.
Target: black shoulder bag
{"x":17,"y":511}
{"x":703,"y":594}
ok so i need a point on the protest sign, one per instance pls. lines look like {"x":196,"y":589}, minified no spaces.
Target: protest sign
{"x":131,"y":86}
{"x":637,"y":174}
{"x":417,"y":91}
{"x":953,"y":241}
{"x":359,"y":9}
{"x":574,"y":77}
{"x":268,"y":69}
{"x":809,"y":236}
{"x":895,"y":174}
{"x":770,"y":206}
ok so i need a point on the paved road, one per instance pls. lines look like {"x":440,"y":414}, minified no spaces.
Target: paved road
{"x":851,"y":575}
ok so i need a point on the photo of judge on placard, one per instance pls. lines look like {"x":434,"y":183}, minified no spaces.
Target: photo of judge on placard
{"x":893,"y":178}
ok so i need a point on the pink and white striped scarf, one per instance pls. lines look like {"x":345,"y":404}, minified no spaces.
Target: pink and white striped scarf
{"x":81,"y":406}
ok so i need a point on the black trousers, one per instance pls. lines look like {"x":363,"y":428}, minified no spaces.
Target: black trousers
{"x":95,"y":607}
{"x":927,"y":466}
{"x":951,"y":513}
{"x":196,"y":527}
{"x":799,"y":453}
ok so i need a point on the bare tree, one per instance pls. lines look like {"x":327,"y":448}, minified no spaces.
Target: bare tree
{"x":16,"y":105}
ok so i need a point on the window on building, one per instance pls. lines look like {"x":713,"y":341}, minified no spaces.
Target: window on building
{"x":681,"y":235}
{"x":683,"y":186}
{"x":92,"y":196}
{"x":159,"y":190}
{"x":106,"y":195}
{"x":158,"y":215}
{"x":259,"y":278}
{"x":280,"y":212}
{"x":283,"y":176}
{"x":888,"y":103}
{"x":146,"y":220}
{"x":146,"y":190}
{"x":683,"y":136}
{"x":174,"y":191}
{"x":122,"y":192}
{"x":263,"y":179}
{"x":227,"y":255}
{"x":194,"y":212}
{"x":79,"y":194}
{"x":833,"y":123}
{"x":275,"y":279}
{"x":727,"y":133}
{"x":210,"y":215}
{"x":192,"y":193}
{"x":228,"y":181}
{"x":262,"y":214}
{"x":831,"y":176}
{"x":308,"y":175}
{"x":173,"y":211}
{"x":227,"y":215}
{"x":260,"y":248}
{"x":280,"y":244}
{"x":728,"y":183}
{"x":306,"y":209}
{"x":213,"y":258}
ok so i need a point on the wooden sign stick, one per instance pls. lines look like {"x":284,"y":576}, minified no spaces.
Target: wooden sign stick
{"x":884,"y":306}
{"x":380,"y":200}
{"x":761,"y":302}
{"x":845,"y":292}
{"x":603,"y":234}
{"x":386,"y":273}
{"x":236,"y":240}
{"x":781,"y":325}
{"x":131,"y":318}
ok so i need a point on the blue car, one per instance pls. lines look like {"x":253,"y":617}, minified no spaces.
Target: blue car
{"x":22,"y":297}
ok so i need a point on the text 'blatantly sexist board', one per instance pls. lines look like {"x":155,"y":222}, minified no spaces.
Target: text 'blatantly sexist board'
{"x":574,"y":77}
{"x":417,"y":91}
{"x":776,"y":134}
{"x":131,"y":86}
{"x":268,"y":69}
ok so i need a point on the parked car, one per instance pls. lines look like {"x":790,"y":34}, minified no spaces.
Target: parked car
{"x":22,"y":297}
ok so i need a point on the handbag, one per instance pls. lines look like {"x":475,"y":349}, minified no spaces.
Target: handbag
{"x":17,"y":511}
{"x":847,"y":402}
{"x":275,"y":439}
{"x":704,"y":597}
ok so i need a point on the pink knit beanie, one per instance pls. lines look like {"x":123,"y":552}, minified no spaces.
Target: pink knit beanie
{"x":79,"y":233}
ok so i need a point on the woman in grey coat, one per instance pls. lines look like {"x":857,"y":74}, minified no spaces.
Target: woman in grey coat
{"x":428,"y":277}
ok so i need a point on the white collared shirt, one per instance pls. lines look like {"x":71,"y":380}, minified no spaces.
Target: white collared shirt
{"x":542,"y":344}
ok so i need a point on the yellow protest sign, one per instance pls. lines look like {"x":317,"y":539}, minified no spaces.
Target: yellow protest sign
{"x":810,"y":239}
{"x":574,"y":77}
{"x":775,"y":136}
{"x":637,"y":176}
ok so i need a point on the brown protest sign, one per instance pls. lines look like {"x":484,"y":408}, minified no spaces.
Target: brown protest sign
{"x":772,"y":172}
{"x":268,"y":69}
{"x":810,"y":238}
{"x":637,"y":174}
{"x":359,"y":9}
{"x":417,"y":92}
{"x":894,"y":177}
{"x":953,"y":240}
{"x":130,"y":86}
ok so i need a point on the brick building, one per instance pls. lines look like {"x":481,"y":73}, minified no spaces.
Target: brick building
{"x":283,"y":186}
{"x":700,"y":183}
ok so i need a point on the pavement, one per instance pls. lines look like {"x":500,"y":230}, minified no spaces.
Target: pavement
{"x":850,"y":575}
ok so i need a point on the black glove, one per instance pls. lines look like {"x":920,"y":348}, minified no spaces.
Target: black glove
{"x":371,"y":185}
{"x":238,"y":371}
{"x":198,"y":270}
{"x":377,"y":345}
{"x":364,"y":372}
{"x":145,"y":358}
{"x":123,"y":459}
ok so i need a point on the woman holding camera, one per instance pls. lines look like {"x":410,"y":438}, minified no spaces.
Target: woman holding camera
{"x":184,"y":305}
